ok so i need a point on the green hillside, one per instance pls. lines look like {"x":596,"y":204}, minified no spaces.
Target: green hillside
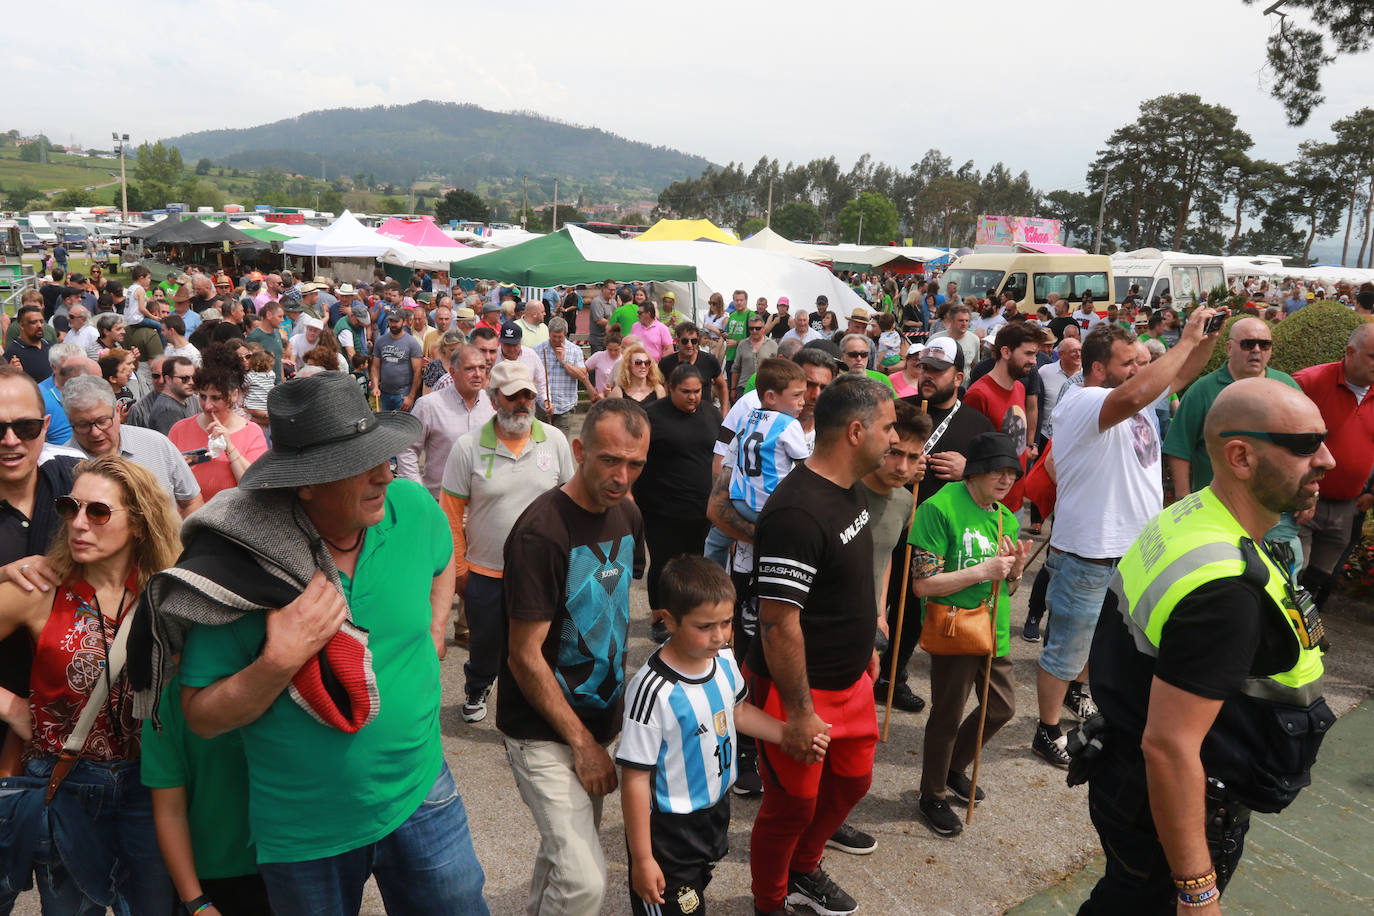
{"x":458,"y":144}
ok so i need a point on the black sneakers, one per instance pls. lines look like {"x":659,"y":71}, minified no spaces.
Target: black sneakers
{"x":1078,"y":702}
{"x":820,"y":893}
{"x":1031,"y":631}
{"x":903,"y":697}
{"x":1051,"y":750}
{"x":940,"y":817}
{"x":748,"y":785}
{"x":852,"y":840}
{"x":475,"y":705}
{"x":959,"y":785}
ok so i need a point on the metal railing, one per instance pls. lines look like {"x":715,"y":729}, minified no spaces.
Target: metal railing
{"x":14,"y":279}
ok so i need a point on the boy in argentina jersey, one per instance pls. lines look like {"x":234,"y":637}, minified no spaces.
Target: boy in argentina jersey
{"x":768,"y":440}
{"x":678,"y":740}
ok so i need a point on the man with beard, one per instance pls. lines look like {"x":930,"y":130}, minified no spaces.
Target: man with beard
{"x":491,"y":476}
{"x":1207,"y":663}
{"x":1103,"y":431}
{"x":1003,"y":398}
{"x":955,"y":427}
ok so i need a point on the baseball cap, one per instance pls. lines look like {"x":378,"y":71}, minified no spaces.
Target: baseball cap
{"x":359,"y":311}
{"x":511,"y":334}
{"x":941,"y":353}
{"x":423,"y":297}
{"x":489,"y":306}
{"x":822,"y":300}
{"x":670,"y":297}
{"x":510,"y":375}
{"x":211,"y":315}
{"x":783,"y":300}
{"x":396,"y":314}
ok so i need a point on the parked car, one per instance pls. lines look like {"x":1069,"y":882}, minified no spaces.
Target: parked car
{"x":31,"y":241}
{"x":74,"y":236}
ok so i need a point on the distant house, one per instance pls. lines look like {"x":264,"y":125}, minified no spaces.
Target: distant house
{"x":75,"y":151}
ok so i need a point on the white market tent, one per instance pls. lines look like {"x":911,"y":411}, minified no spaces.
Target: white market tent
{"x":768,"y":240}
{"x":344,"y":238}
{"x":725,"y":268}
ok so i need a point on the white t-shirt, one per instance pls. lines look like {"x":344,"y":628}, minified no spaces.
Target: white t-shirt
{"x":136,"y":296}
{"x":1108,"y":482}
{"x":1086,"y":322}
{"x":988,"y":326}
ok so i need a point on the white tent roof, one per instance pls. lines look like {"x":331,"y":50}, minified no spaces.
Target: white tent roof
{"x":725,"y":268}
{"x":346,"y":238}
{"x":428,"y":257}
{"x":873,"y":255}
{"x":768,"y":240}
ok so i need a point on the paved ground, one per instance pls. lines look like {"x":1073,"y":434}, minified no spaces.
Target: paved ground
{"x":1031,"y":833}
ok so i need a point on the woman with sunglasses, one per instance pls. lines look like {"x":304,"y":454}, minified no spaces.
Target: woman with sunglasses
{"x":639,"y":377}
{"x":119,"y":528}
{"x":219,"y":383}
{"x":713,"y":326}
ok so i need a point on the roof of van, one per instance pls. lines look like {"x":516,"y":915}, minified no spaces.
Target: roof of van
{"x":1008,"y":260}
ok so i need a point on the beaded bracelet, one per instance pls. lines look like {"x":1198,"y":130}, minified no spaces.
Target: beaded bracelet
{"x":1196,"y":881}
{"x":1201,"y":899}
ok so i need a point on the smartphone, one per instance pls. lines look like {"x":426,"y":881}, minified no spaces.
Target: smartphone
{"x":197,"y":456}
{"x":1216,"y":322}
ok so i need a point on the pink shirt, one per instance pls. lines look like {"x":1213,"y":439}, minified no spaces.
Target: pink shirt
{"x":657,"y":339}
{"x":215,"y":475}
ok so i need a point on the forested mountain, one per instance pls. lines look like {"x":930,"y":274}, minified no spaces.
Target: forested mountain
{"x":461,"y":144}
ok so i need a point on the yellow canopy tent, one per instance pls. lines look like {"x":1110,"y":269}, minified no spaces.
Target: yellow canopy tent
{"x":686,"y":230}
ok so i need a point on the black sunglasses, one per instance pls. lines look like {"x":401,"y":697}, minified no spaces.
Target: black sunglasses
{"x":99,"y":513}
{"x":26,"y":430}
{"x":1300,"y":444}
{"x":1251,"y":343}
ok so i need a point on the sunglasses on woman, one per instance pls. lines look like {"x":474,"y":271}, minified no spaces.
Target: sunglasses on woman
{"x":97,"y":513}
{"x":1300,"y":444}
{"x":640,"y":362}
{"x":26,"y":430}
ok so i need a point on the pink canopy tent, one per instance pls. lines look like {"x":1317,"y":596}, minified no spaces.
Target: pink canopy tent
{"x":421,"y":232}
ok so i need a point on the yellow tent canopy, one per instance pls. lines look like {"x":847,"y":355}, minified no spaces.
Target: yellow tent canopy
{"x":686,"y":230}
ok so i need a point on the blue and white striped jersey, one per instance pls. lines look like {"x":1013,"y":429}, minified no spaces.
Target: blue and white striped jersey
{"x":683,"y":729}
{"x":767,"y":444}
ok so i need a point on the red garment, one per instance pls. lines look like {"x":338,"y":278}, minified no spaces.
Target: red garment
{"x":1040,"y":489}
{"x":216,"y":474}
{"x":70,"y":658}
{"x":804,"y":804}
{"x":1350,"y":429}
{"x":1006,"y":408}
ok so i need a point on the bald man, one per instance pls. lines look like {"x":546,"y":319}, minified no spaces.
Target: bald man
{"x":1210,"y":687}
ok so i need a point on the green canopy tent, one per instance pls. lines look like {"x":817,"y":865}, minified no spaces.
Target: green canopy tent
{"x":264,"y":235}
{"x":555,"y":259}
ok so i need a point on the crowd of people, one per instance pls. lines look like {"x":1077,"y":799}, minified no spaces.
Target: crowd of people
{"x":238,"y":516}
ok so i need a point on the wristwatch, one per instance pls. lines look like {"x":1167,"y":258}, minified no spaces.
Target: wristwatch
{"x":192,"y":907}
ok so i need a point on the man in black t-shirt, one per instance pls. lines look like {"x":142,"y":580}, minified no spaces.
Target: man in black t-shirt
{"x":1062,"y":319}
{"x":942,"y":375}
{"x":689,"y":353}
{"x":560,"y":694}
{"x":813,"y":662}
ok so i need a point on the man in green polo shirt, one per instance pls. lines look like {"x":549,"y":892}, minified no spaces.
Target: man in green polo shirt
{"x":626,"y":314}
{"x":1248,"y":349}
{"x":736,"y":325}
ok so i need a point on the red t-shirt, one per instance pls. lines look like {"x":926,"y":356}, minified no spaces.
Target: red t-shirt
{"x":1350,"y":428}
{"x":1006,"y":408}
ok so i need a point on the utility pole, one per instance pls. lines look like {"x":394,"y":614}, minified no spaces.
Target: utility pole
{"x":768,"y":219}
{"x":123,"y":181}
{"x":1102,"y":211}
{"x":861,"y":228}
{"x":524,"y":198}
{"x":553,"y":224}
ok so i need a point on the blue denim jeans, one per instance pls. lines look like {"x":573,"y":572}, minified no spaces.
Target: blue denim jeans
{"x":426,"y":865}
{"x":391,"y":401}
{"x":718,"y":547}
{"x":1077,"y":589}
{"x":97,"y":847}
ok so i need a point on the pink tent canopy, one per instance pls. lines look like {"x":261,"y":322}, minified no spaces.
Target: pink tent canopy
{"x":421,"y":232}
{"x":1043,"y":248}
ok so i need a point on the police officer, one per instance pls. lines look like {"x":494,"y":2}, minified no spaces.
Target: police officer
{"x":1206,"y":665}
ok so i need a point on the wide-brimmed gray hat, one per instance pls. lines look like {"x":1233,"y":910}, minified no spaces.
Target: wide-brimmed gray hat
{"x":323,"y":430}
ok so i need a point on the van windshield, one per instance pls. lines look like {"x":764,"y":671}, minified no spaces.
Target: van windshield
{"x":973,"y":281}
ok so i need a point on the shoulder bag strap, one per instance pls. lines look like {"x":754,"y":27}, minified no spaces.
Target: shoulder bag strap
{"x":76,"y":741}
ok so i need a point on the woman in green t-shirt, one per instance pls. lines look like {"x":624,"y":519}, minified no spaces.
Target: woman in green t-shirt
{"x":957,"y":558}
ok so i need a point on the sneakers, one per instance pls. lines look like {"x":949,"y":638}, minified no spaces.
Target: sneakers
{"x":1051,"y":750}
{"x":903,"y":697}
{"x":475,"y":706}
{"x":1031,"y":631}
{"x":748,"y":785}
{"x":940,"y":817}
{"x":959,"y":785}
{"x":820,"y":893}
{"x":1079,"y":703}
{"x":852,"y":840}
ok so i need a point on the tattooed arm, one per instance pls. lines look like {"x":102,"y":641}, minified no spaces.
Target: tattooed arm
{"x":723,"y":514}
{"x":927,"y":580}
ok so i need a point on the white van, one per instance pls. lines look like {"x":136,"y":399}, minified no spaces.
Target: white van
{"x":1158,"y":272}
{"x":1032,"y":277}
{"x":39,"y":226}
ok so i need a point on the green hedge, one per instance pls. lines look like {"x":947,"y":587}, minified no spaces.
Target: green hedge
{"x":1312,"y":335}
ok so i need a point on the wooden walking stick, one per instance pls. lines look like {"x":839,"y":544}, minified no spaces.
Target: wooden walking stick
{"x":987,"y":682}
{"x":895,"y":644}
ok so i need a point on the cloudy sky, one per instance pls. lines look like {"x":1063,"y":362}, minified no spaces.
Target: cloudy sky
{"x":1038,"y":85}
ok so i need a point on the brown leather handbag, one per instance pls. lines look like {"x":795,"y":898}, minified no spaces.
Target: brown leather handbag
{"x":949,"y":630}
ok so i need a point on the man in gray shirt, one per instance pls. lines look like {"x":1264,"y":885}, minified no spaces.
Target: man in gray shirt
{"x":397,"y":365}
{"x":601,"y":309}
{"x":177,"y":400}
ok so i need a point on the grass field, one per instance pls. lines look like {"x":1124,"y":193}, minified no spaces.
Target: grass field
{"x":59,"y":173}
